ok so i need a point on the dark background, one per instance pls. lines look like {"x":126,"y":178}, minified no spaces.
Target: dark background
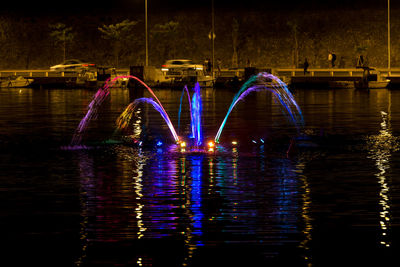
{"x":266,"y":32}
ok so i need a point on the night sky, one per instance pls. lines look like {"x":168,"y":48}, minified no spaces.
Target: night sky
{"x":91,"y":7}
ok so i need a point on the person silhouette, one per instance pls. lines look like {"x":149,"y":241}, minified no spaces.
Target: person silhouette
{"x":360,"y":61}
{"x":305,"y":66}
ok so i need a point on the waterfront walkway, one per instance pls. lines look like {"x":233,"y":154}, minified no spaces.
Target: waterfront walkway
{"x":288,"y":75}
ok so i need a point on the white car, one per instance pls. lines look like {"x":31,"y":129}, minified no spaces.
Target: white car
{"x":72,"y":65}
{"x":179,"y":65}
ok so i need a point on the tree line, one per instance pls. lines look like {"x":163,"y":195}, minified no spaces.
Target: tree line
{"x":260,"y":38}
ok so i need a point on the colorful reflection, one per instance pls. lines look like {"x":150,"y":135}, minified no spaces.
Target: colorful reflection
{"x":192,"y":198}
{"x":86,"y":174}
{"x":138,"y":185}
{"x":196,"y":187}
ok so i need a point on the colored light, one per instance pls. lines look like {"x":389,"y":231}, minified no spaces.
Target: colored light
{"x":269,"y":82}
{"x":126,"y":116}
{"x":159,"y":143}
{"x":183,"y":144}
{"x":102,"y":94}
{"x":234,"y":143}
{"x":196,"y":116}
{"x":211,"y":144}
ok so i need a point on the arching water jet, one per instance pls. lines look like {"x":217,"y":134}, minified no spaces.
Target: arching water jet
{"x":269,"y":82}
{"x":98,"y":99}
{"x":126,"y":116}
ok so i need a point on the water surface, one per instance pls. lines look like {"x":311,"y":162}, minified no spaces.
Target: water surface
{"x":333,"y":200}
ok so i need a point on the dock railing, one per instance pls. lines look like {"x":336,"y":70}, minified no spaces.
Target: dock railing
{"x":47,"y":73}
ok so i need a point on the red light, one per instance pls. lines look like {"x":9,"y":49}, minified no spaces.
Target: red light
{"x":85,"y":65}
{"x":164,"y":66}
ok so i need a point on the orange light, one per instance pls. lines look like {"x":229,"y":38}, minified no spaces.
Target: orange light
{"x":183,"y":144}
{"x":234,"y":143}
{"x":211,"y":144}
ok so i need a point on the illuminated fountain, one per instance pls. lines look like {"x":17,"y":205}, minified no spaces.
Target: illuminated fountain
{"x":126,"y":116}
{"x":196,"y":106}
{"x":98,"y":99}
{"x":195,"y":142}
{"x":266,"y":81}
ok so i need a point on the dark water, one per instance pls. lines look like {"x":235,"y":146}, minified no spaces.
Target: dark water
{"x":333,"y":200}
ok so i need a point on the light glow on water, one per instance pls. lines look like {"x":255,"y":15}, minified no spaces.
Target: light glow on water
{"x":381,"y":147}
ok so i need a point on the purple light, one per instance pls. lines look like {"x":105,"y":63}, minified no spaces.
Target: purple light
{"x":126,"y":116}
{"x":98,"y":99}
{"x":180,"y":106}
{"x":266,"y":81}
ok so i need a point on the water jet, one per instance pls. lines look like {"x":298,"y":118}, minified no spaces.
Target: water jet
{"x":194,"y":142}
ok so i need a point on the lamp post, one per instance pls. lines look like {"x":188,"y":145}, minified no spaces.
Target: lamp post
{"x":212,"y":38}
{"x":388,"y":29}
{"x":146,"y":34}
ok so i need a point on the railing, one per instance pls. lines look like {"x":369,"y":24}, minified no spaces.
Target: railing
{"x":382,"y":73}
{"x":320,"y":72}
{"x":47,"y":73}
{"x":334,"y":72}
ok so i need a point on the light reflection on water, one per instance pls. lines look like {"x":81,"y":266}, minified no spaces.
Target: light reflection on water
{"x":186,"y":196}
{"x":381,"y":147}
{"x":247,"y":204}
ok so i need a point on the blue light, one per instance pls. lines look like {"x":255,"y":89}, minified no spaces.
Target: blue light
{"x":196,"y":116}
{"x":196,"y":197}
{"x":277,"y":88}
{"x":159,"y":143}
{"x":180,"y":110}
{"x":262,"y":140}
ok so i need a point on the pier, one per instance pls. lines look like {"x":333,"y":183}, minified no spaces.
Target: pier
{"x":295,"y":77}
{"x":47,"y":78}
{"x":335,"y":77}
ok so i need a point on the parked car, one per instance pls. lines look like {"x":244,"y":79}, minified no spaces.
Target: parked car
{"x":73,"y":65}
{"x":179,"y":65}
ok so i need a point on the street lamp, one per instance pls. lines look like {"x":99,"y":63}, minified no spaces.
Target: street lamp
{"x":212,"y":38}
{"x":146,"y":34}
{"x":388,"y":29}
